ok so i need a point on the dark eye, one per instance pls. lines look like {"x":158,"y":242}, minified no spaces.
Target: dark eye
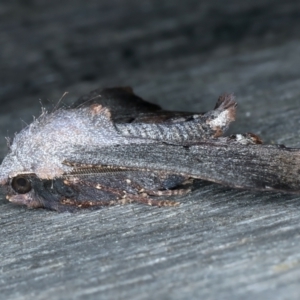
{"x":21,"y":184}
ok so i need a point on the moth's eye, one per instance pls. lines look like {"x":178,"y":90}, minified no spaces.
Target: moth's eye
{"x":21,"y":184}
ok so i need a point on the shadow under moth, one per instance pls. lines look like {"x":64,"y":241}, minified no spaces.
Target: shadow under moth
{"x":111,"y":147}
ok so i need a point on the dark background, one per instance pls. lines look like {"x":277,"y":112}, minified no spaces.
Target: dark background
{"x":220,"y":243}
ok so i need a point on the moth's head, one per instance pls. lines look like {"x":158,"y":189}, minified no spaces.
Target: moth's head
{"x":16,"y":181}
{"x":22,"y":185}
{"x":37,"y":152}
{"x":33,"y":192}
{"x":31,"y":159}
{"x":20,"y":189}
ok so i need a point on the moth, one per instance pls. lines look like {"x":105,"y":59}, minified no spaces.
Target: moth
{"x":112,"y":147}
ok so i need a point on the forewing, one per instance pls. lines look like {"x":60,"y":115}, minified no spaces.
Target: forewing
{"x":225,"y":161}
{"x":126,"y":107}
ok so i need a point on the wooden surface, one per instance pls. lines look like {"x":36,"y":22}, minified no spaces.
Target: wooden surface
{"x":220,"y":243}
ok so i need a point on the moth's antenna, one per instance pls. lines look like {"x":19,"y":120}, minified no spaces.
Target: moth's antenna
{"x":26,"y":124}
{"x":59,"y":101}
{"x":8,"y":141}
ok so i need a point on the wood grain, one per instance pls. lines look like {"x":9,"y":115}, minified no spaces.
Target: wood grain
{"x":181,"y":54}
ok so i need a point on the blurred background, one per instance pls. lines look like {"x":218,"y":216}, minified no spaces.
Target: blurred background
{"x":180,"y":54}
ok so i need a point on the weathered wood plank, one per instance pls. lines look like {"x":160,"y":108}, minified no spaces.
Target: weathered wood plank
{"x":219,"y":242}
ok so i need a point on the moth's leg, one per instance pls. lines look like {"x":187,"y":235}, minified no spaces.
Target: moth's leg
{"x":118,"y":193}
{"x":144,"y":199}
{"x":176,"y":192}
{"x":159,"y":203}
{"x":143,"y":196}
{"x":121,"y":198}
{"x":118,"y":197}
{"x":73,"y":205}
{"x":182,"y":189}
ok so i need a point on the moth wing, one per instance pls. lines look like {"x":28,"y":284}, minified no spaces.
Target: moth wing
{"x":218,"y":160}
{"x":94,"y":187}
{"x":126,"y":107}
{"x":122,"y":103}
{"x":156,"y":156}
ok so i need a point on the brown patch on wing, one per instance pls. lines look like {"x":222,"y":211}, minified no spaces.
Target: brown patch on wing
{"x":255,"y":138}
{"x":97,"y":109}
{"x":91,"y":204}
{"x":218,"y":132}
{"x":247,"y":138}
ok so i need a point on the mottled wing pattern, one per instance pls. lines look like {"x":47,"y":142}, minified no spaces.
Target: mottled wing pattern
{"x":152,"y":161}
